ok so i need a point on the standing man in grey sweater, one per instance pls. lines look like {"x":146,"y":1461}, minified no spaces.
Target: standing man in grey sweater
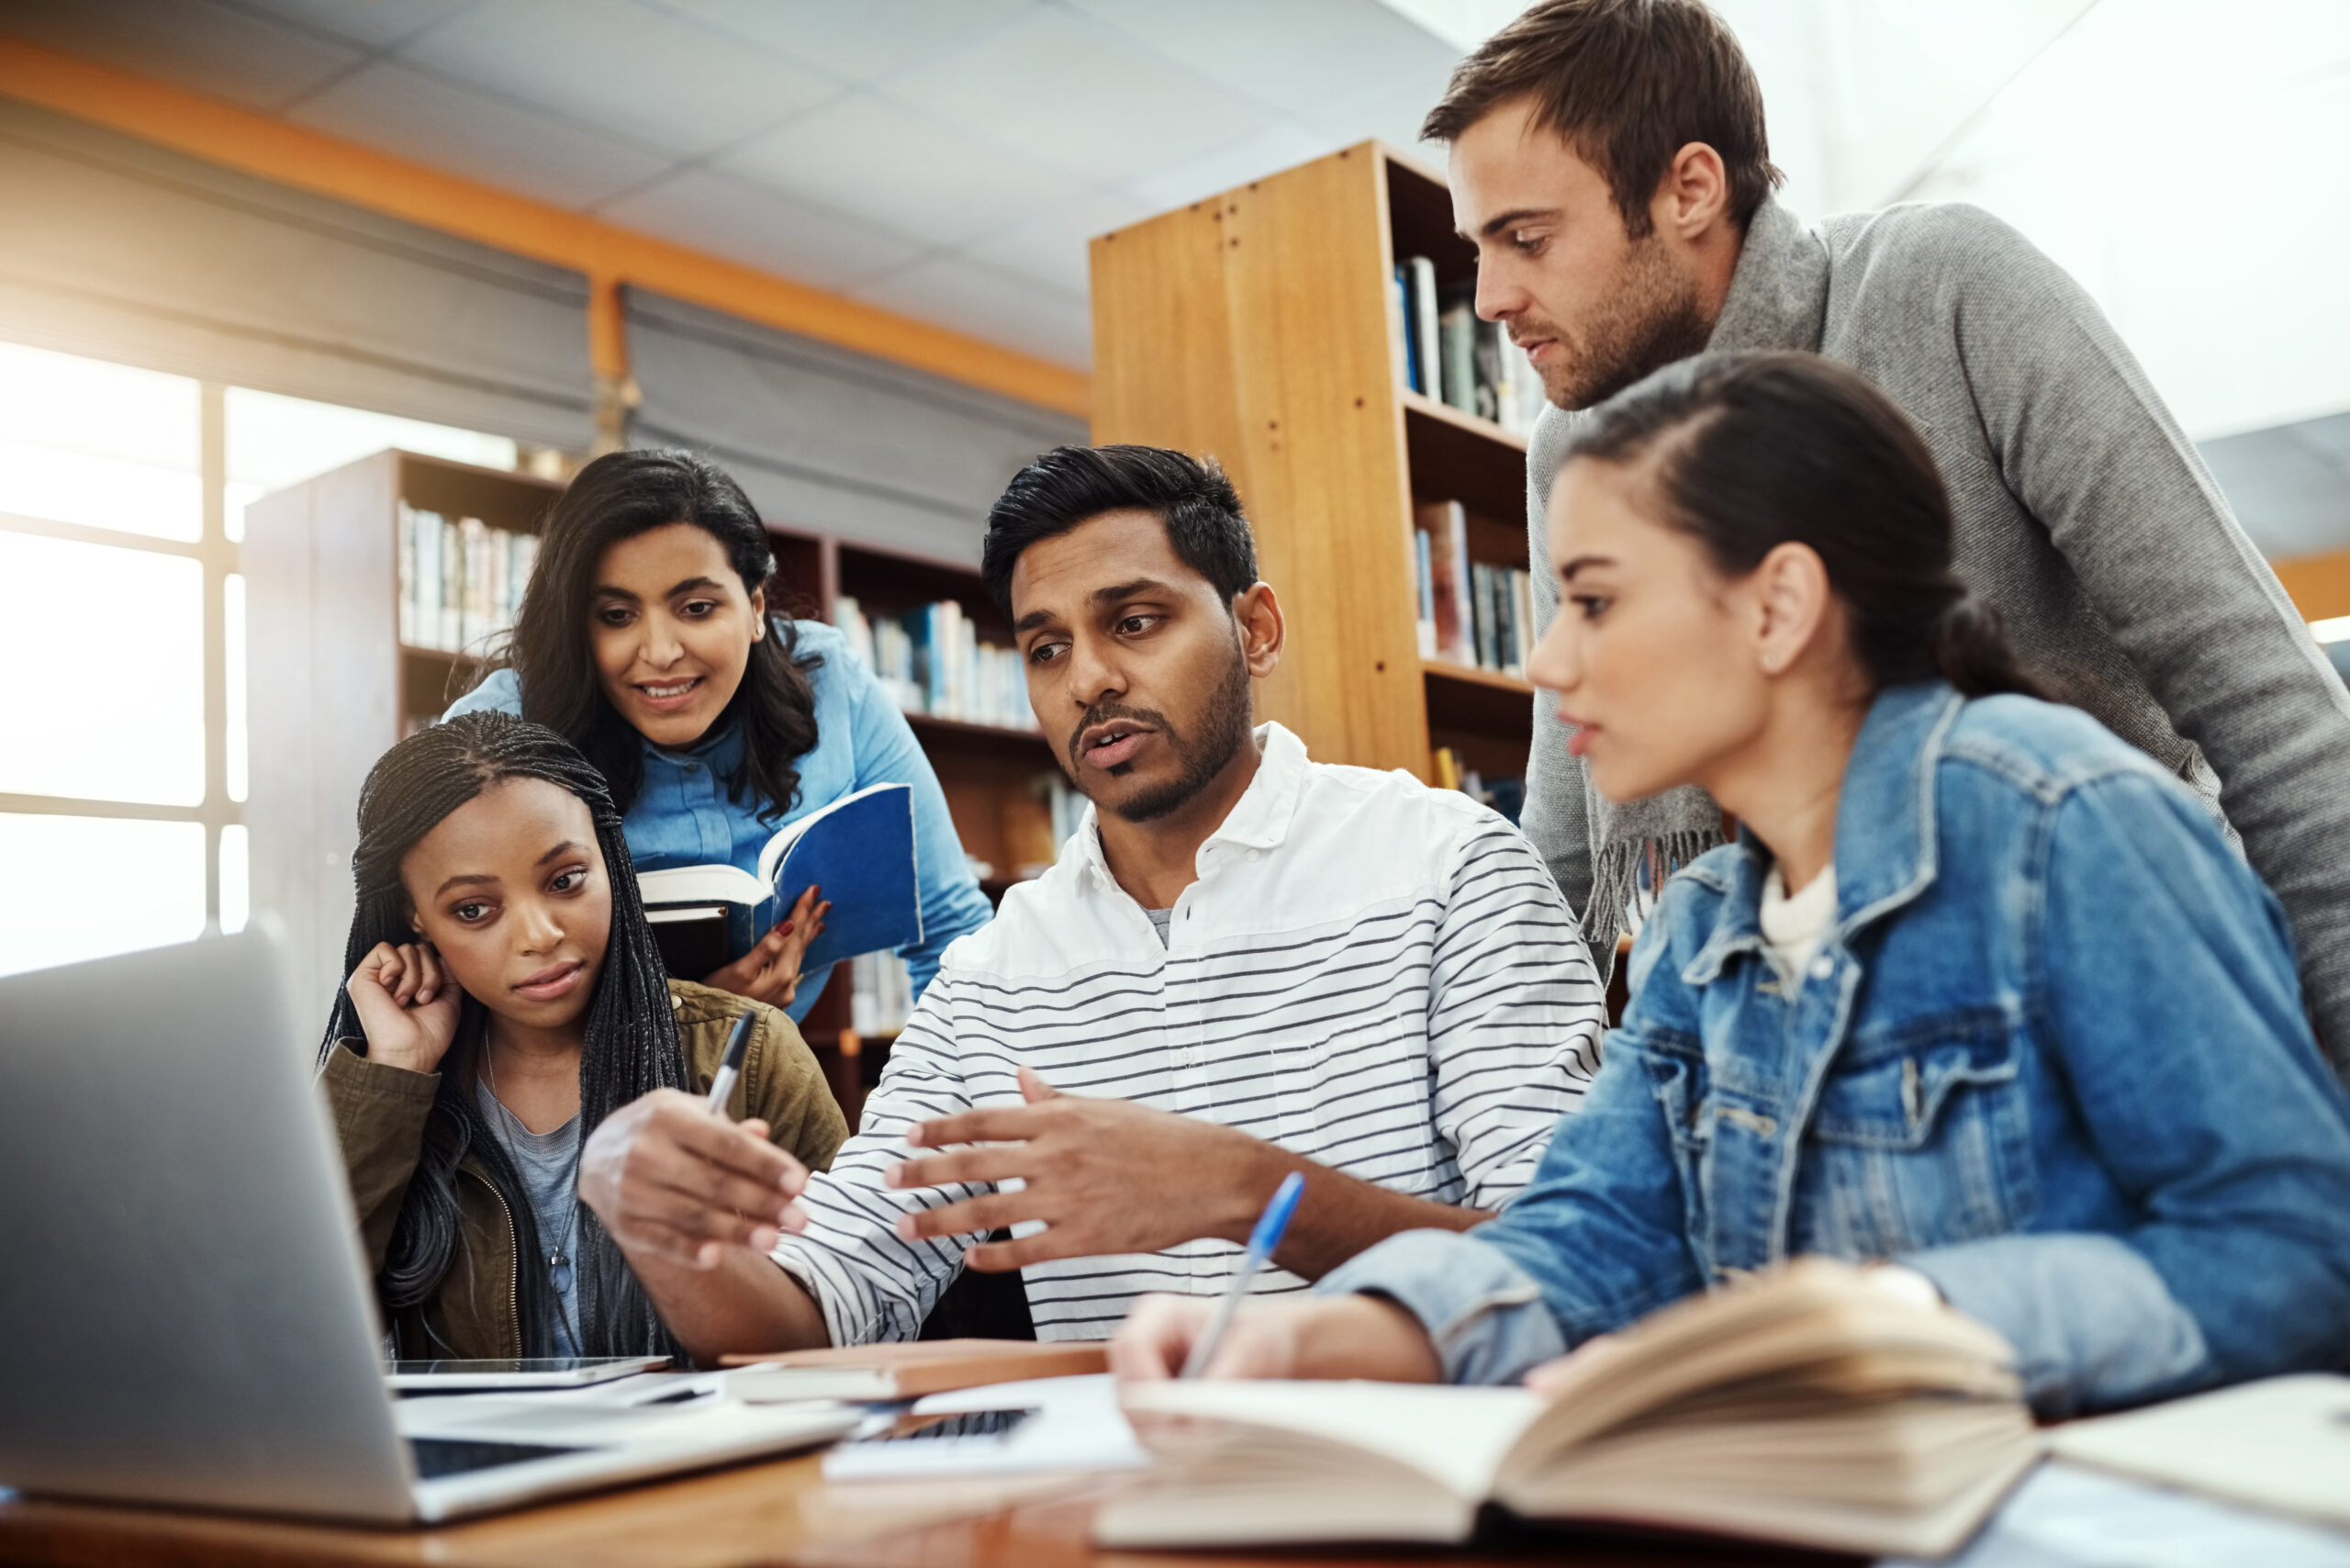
{"x":1609,"y":160}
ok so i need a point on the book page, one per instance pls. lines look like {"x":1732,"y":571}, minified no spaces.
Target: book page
{"x":1454,"y":1436}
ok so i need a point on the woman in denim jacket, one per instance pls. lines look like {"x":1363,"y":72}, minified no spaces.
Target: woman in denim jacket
{"x":1979,"y":995}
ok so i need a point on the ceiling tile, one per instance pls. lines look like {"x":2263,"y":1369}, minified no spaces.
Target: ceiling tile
{"x":406,"y":112}
{"x":971,"y":297}
{"x":1078,"y":95}
{"x":888,"y":166}
{"x":625,"y":68}
{"x":1391,"y":110}
{"x":1289,"y":56}
{"x":371,"y":24}
{"x":731,"y":217}
{"x":1051,"y":247}
{"x":1271,"y":151}
{"x":195,"y":44}
{"x":860,"y":42}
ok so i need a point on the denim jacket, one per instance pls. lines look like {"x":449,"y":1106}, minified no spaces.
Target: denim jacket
{"x":2052,"y":1055}
{"x":682,"y":814}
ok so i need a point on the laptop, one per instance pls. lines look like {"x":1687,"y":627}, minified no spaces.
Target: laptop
{"x":185,"y":1316}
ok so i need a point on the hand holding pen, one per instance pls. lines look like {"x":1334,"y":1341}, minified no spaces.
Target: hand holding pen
{"x":671,"y":1178}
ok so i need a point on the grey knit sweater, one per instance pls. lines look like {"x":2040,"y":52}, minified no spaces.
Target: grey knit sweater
{"x":2083,"y":513}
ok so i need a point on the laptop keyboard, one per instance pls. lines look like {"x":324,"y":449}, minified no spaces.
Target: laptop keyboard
{"x":436,"y":1457}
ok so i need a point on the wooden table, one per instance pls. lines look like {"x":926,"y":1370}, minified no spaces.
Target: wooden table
{"x":778,"y":1513}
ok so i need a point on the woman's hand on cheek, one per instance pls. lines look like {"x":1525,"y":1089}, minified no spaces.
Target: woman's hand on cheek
{"x":672,"y":1181}
{"x":407,"y":1004}
{"x":769,"y":972}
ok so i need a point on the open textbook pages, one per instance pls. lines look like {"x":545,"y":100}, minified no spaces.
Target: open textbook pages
{"x":1806,"y":1405}
{"x":860,"y":851}
{"x":2282,"y":1443}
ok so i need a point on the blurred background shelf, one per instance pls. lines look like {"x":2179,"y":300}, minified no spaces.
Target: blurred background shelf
{"x":1256,"y":327}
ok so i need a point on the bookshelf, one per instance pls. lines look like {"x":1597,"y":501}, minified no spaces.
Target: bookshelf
{"x":332,"y":685}
{"x":1255,"y":327}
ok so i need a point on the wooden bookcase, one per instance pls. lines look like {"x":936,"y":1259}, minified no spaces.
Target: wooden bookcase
{"x":331,"y":688}
{"x":1254,"y":326}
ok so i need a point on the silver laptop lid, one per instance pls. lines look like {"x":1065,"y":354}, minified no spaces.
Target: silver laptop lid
{"x":185,"y":1313}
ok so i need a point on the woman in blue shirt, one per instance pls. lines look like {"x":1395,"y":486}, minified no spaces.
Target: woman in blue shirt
{"x":644,"y":640}
{"x":1981,"y":997}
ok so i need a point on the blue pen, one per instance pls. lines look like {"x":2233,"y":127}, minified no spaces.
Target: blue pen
{"x":1261,"y":1242}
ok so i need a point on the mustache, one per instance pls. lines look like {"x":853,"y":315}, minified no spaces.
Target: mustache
{"x":1102,"y":713}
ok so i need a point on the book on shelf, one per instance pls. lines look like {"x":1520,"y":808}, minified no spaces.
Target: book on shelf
{"x":1806,"y":1407}
{"x":1444,"y":586}
{"x":1427,"y":339}
{"x":931,"y":661}
{"x":860,"y":851}
{"x":1444,"y":352}
{"x":1471,"y":613}
{"x":881,"y":993}
{"x":460,"y":580}
{"x":1424,"y":617}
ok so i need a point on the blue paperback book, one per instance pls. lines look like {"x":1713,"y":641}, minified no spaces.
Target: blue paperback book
{"x":860,"y":851}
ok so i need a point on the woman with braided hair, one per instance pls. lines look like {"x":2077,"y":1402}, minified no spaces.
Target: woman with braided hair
{"x":505,"y":1002}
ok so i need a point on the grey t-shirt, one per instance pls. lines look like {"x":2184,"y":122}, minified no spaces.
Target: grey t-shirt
{"x":549,"y":1166}
{"x":1158,"y":919}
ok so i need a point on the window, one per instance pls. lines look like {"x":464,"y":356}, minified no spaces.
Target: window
{"x":122,"y":616}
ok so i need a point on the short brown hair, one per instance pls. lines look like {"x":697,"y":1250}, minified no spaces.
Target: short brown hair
{"x":1629,"y":83}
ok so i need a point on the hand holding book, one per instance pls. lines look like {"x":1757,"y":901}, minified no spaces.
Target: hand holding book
{"x":770,"y":972}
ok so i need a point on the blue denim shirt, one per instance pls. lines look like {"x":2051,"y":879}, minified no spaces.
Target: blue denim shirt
{"x":2052,"y":1055}
{"x":682,"y":817}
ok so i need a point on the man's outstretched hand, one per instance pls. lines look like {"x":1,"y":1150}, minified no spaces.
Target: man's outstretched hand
{"x":1105,"y":1176}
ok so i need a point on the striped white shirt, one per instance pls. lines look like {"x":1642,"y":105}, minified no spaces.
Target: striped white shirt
{"x":1378,"y":976}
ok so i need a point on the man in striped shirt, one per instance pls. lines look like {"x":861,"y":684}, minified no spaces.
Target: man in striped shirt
{"x":1245,"y":963}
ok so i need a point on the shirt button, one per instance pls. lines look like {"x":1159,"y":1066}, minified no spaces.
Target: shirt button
{"x":1256,"y":855}
{"x":1822,"y":966}
{"x":693,"y":768}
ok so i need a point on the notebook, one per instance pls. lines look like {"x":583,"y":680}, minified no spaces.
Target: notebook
{"x":2281,"y":1444}
{"x":1804,"y":1406}
{"x":904,"y":1370}
{"x":860,"y":851}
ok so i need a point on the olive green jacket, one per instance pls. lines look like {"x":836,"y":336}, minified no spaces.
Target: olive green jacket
{"x":379,"y":1116}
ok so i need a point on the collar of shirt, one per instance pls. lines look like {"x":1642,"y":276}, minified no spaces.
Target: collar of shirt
{"x":1260,"y":820}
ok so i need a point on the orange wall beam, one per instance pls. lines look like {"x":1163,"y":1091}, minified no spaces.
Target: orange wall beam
{"x":2319,"y":585}
{"x":290,"y":154}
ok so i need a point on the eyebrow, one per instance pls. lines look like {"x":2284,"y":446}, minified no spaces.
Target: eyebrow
{"x":1510,"y":219}
{"x":610,"y":591}
{"x":477,"y":878}
{"x":1567,"y":572}
{"x":1113,"y":594}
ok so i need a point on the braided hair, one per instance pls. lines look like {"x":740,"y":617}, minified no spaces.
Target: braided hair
{"x":631,"y":1046}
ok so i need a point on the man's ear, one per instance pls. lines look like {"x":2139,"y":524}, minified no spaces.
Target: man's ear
{"x":1693,"y":196}
{"x":1258,"y":614}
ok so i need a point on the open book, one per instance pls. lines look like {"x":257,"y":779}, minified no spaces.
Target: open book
{"x":1806,"y":1405}
{"x":860,"y":851}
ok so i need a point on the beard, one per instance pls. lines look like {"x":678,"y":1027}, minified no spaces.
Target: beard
{"x":1205,"y":752}
{"x":1653,"y":320}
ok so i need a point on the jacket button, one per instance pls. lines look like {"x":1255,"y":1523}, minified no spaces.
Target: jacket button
{"x":1822,"y":966}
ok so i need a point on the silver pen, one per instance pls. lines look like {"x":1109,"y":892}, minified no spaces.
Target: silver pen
{"x":731,"y":1067}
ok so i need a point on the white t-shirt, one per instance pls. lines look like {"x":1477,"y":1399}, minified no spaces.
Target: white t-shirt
{"x":1794,"y":927}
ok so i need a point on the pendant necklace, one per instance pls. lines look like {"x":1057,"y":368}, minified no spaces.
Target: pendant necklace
{"x":557,"y":1257}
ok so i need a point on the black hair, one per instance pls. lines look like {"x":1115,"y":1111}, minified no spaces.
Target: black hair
{"x":1071,"y":485}
{"x":618,"y":497}
{"x":1756,"y":449}
{"x":631,"y":1046}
